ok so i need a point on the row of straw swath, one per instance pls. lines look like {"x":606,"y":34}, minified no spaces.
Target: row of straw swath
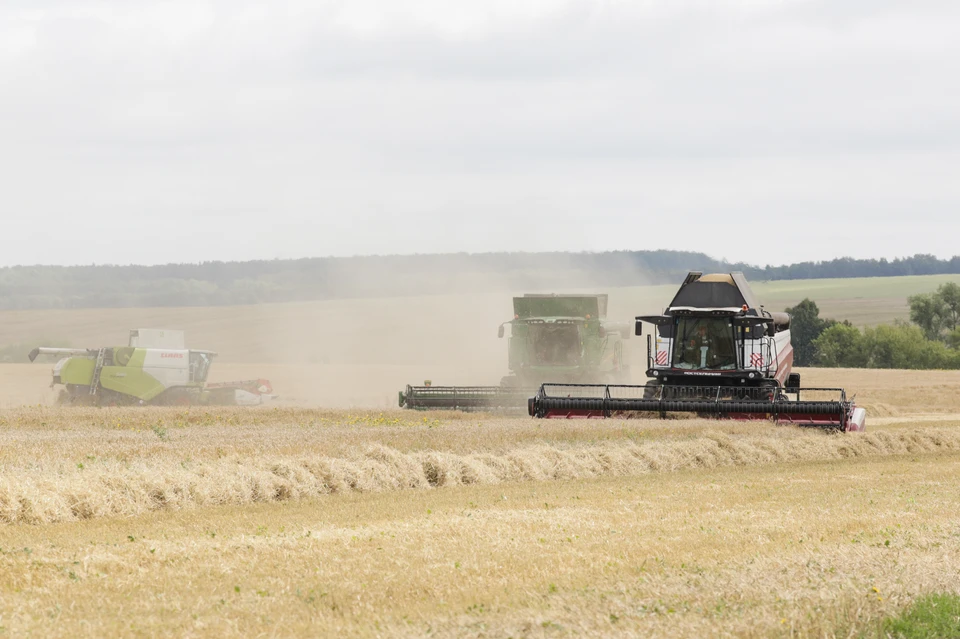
{"x":45,"y":494}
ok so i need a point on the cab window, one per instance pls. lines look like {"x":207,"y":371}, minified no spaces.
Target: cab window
{"x":705,"y":343}
{"x":199,"y":367}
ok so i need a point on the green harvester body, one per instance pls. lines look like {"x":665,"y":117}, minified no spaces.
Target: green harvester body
{"x":553,"y":338}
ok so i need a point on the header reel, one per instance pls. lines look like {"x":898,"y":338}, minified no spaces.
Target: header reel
{"x":826,"y":408}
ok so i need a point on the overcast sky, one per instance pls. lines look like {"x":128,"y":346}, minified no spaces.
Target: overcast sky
{"x":763,"y":131}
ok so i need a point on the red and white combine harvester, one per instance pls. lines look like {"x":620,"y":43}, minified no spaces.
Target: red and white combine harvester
{"x":717,"y":353}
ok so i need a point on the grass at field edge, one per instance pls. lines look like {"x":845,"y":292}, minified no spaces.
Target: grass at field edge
{"x":933,"y":616}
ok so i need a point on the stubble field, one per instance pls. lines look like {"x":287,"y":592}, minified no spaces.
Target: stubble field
{"x":283,"y":520}
{"x":331,"y":513}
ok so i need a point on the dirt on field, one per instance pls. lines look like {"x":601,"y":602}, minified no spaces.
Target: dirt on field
{"x":340,"y":353}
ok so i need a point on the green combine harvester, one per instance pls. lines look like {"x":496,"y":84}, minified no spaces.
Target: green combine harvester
{"x":154,"y":368}
{"x":552,"y":337}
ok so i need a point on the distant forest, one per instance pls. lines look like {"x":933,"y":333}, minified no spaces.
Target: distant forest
{"x":233,"y":283}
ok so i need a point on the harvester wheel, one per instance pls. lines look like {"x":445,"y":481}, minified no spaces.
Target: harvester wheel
{"x":77,"y":396}
{"x":110,"y":399}
{"x":176,"y":397}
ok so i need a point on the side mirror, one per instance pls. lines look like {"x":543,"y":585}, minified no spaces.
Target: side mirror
{"x":500,"y":331}
{"x":638,"y":329}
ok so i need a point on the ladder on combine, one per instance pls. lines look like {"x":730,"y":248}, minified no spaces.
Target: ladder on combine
{"x":97,"y":369}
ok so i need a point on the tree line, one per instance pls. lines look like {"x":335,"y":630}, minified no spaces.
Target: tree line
{"x":260,"y":281}
{"x":931,"y":340}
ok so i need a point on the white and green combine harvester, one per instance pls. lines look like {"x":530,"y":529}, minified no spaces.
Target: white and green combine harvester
{"x":154,"y":368}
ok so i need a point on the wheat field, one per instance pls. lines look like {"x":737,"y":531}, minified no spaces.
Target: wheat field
{"x":329,"y":512}
{"x":294,"y":520}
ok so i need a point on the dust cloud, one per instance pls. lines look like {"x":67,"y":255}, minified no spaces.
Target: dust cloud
{"x":346,"y":352}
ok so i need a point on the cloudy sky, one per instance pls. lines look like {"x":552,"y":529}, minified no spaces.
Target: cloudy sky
{"x":765,"y":131}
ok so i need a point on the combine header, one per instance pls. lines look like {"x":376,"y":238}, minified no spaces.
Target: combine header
{"x":155,"y":368}
{"x":717,"y":354}
{"x":561,"y":338}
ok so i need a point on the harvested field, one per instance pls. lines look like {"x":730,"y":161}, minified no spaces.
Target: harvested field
{"x":285,"y":520}
{"x":63,"y":464}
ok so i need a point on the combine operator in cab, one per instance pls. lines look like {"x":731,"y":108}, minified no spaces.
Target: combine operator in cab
{"x":715,"y":352}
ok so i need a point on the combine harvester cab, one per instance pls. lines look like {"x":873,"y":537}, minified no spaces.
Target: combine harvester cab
{"x":716,"y":353}
{"x":553,"y":337}
{"x":155,"y":368}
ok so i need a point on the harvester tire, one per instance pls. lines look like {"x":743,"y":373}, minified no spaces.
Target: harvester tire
{"x":109,"y":398}
{"x":76,"y":395}
{"x":176,"y":397}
